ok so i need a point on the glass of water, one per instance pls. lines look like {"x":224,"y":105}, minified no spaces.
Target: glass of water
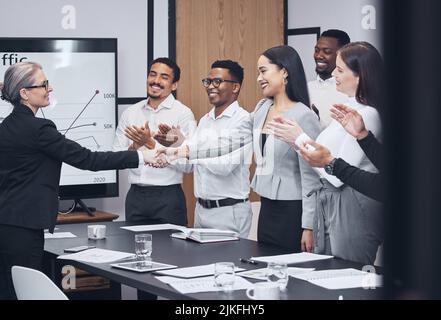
{"x":278,"y":272}
{"x":143,"y":249}
{"x":224,"y":275}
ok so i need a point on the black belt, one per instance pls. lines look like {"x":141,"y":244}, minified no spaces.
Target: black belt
{"x":208,"y":204}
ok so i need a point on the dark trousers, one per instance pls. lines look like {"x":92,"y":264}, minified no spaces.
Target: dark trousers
{"x":280,"y":223}
{"x":156,"y":204}
{"x":18,"y":247}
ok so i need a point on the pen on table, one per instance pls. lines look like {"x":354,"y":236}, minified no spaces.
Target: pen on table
{"x":133,"y":257}
{"x":248,"y":261}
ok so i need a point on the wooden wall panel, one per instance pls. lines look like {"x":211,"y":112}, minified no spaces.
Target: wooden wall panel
{"x":209,"y":30}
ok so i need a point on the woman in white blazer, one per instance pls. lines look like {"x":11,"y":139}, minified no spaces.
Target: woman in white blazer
{"x":348,"y":224}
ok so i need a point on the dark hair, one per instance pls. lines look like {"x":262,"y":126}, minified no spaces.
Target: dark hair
{"x":287,"y":57}
{"x":365,"y":61}
{"x":341,"y":36}
{"x":235,"y":69}
{"x":169,"y":62}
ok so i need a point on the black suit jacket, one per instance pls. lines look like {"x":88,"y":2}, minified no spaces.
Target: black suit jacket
{"x":31,"y":154}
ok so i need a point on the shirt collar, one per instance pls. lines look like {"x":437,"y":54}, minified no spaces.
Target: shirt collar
{"x":328,"y":81}
{"x":228,"y":112}
{"x":167,"y":103}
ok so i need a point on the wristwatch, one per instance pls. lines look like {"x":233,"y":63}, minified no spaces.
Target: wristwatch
{"x":329,"y":168}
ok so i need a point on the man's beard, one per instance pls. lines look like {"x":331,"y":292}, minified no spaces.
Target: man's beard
{"x":323,"y":73}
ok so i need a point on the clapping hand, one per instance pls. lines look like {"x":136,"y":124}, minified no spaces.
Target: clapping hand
{"x":284,"y":129}
{"x":169,"y":136}
{"x":319,"y":156}
{"x":141,"y":136}
{"x":350,"y":120}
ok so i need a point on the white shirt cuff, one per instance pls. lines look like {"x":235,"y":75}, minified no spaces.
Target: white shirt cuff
{"x":141,"y":157}
{"x":302,"y":139}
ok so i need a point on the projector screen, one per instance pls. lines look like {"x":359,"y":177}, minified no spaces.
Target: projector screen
{"x":82,"y":72}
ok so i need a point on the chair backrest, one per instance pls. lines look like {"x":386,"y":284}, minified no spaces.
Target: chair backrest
{"x":30,"y":284}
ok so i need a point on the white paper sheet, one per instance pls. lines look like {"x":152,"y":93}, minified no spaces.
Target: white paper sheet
{"x":342,"y":279}
{"x":192,"y":272}
{"x":260,"y":274}
{"x":97,"y":255}
{"x":59,"y":235}
{"x":204,"y":284}
{"x":153,"y":227}
{"x":293,"y":258}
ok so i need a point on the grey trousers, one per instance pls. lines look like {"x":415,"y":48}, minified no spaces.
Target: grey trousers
{"x":236,"y":218}
{"x":347,"y":224}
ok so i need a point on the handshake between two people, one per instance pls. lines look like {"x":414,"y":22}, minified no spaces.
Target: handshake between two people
{"x":162,"y":157}
{"x":171,"y":139}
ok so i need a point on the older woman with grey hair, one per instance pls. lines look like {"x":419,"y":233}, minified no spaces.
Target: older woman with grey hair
{"x":31,"y":153}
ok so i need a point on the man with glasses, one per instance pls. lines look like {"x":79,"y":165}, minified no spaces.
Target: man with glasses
{"x":155,"y":195}
{"x":221,"y":185}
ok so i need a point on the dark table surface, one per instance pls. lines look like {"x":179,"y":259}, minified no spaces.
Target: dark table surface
{"x":184,"y":253}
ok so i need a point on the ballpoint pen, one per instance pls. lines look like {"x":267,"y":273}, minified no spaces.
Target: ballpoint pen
{"x":248,"y":261}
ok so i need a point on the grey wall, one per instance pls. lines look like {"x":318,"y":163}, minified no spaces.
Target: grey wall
{"x":126,"y":21}
{"x":359,"y":18}
{"x":160,"y":18}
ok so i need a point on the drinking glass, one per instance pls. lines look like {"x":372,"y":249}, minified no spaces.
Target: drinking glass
{"x":224,"y":275}
{"x":278,"y":272}
{"x":143,"y":248}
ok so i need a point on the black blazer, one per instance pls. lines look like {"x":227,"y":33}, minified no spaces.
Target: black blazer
{"x":31,"y":154}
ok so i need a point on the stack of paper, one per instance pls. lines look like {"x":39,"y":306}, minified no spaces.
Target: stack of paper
{"x":292,"y":258}
{"x":204,"y":284}
{"x":59,"y":235}
{"x":97,"y":255}
{"x":191,"y":272}
{"x":154,"y":227}
{"x":261,"y":274}
{"x":342,"y":279}
{"x":204,"y":235}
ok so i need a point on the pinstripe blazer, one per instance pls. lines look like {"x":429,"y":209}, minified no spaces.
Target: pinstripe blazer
{"x":281,"y":173}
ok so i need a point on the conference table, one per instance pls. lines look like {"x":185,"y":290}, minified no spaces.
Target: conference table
{"x":186,"y":253}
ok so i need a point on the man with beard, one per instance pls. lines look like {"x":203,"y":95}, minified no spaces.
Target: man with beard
{"x":155,"y":194}
{"x":322,"y":91}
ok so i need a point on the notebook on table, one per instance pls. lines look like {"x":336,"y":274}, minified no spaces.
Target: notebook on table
{"x":204,"y":235}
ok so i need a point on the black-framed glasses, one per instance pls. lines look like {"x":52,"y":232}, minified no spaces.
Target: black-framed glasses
{"x":216,"y":82}
{"x":44,"y":85}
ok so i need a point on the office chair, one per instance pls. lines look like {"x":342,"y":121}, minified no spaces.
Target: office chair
{"x":30,"y":284}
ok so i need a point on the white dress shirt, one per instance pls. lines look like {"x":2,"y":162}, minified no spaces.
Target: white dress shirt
{"x":342,"y":145}
{"x":171,"y":112}
{"x":226,"y":176}
{"x":323,"y":94}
